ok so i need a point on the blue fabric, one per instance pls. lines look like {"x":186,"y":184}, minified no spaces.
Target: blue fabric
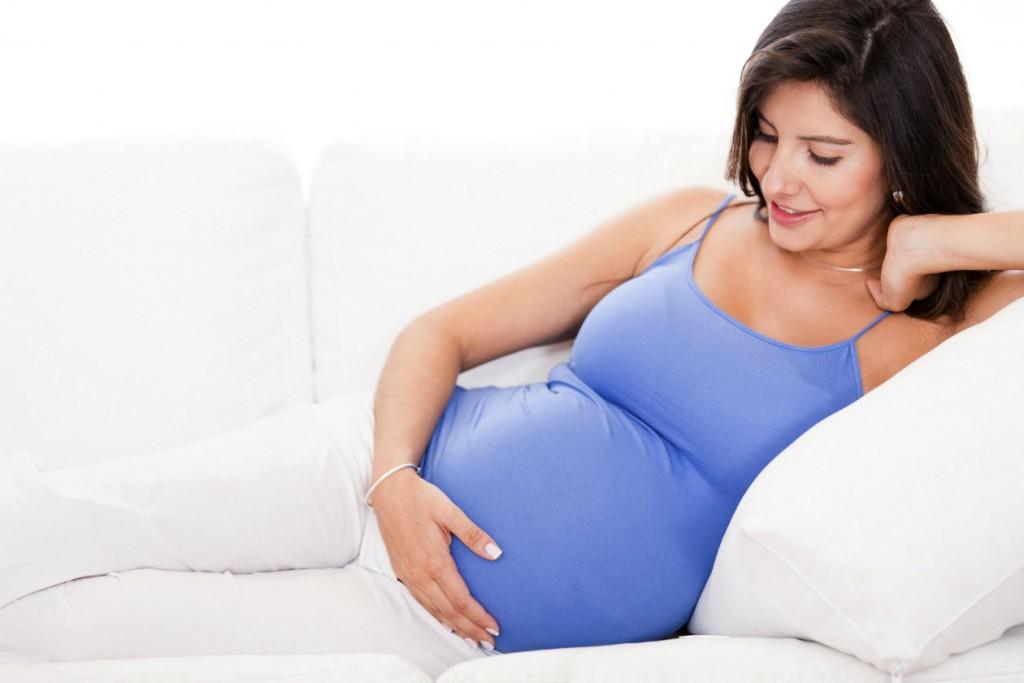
{"x":609,"y":486}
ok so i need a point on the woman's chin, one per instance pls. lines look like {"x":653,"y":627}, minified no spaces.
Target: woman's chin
{"x":784,"y":239}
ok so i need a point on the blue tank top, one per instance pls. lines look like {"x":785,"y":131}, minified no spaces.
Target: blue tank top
{"x":609,"y":486}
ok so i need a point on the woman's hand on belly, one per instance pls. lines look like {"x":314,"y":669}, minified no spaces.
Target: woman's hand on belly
{"x":417,"y":520}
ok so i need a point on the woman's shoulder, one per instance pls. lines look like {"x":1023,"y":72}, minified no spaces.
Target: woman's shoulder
{"x":905,"y":339}
{"x":685,"y":214}
{"x":994,"y":295}
{"x":1000,"y":291}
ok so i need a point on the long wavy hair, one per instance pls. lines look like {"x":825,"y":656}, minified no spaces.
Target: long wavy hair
{"x":889,"y":67}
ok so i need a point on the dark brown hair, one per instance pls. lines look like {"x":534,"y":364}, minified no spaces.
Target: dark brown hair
{"x":889,"y":67}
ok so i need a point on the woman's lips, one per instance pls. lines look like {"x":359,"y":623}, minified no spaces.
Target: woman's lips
{"x":787,"y":219}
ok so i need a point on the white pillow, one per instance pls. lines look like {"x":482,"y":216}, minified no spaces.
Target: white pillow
{"x":398,"y":226}
{"x":153,"y":291}
{"x":893,"y":530}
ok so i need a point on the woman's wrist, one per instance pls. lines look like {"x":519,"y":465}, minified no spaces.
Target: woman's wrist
{"x":388,"y":485}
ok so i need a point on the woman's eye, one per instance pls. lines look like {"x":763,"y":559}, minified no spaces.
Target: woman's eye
{"x":824,"y":161}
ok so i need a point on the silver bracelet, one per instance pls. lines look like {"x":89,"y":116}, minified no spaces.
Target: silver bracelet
{"x":386,"y":474}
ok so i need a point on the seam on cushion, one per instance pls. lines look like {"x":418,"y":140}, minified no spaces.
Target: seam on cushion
{"x":516,"y":678}
{"x":974,"y":604}
{"x":817,"y":592}
{"x":331,"y":669}
{"x":307,"y":266}
{"x":983,"y":676}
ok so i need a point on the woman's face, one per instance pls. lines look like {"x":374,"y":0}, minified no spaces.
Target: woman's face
{"x":837,"y":176}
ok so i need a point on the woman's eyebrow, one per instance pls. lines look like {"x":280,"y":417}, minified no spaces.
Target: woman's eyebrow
{"x":812,"y":138}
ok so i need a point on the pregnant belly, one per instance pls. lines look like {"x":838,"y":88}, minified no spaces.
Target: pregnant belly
{"x":599,"y":520}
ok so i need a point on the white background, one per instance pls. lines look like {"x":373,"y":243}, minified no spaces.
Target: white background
{"x":313,"y":71}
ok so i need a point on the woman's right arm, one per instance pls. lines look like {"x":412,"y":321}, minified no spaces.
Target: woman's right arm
{"x":416,"y":518}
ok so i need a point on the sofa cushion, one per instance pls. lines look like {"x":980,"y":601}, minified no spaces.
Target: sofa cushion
{"x":144,"y":613}
{"x":152,"y":291}
{"x":721,"y":659}
{"x":1001,"y":158}
{"x":399,"y":226}
{"x":892,"y":529}
{"x":347,"y":668}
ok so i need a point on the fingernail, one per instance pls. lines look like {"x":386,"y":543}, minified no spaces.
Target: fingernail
{"x":469,"y":641}
{"x":492,"y":631}
{"x":487,"y":644}
{"x":492,"y":550}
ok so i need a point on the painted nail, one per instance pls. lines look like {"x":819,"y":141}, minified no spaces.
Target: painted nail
{"x":492,"y":631}
{"x":492,"y":550}
{"x":487,"y":644}
{"x":469,"y":641}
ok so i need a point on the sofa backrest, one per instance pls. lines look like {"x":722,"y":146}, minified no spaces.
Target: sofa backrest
{"x":152,"y":291}
{"x":399,"y":226}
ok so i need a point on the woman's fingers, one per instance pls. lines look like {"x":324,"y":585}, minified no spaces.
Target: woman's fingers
{"x":429,"y":594}
{"x":428,"y":604}
{"x":417,"y":525}
{"x":455,"y":589}
{"x":455,"y":618}
{"x":448,"y":576}
{"x":472,"y":536}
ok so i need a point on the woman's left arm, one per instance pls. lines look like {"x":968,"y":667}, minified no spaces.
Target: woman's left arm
{"x":980,"y":241}
{"x":919,"y":247}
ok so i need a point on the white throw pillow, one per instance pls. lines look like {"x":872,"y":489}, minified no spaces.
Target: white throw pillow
{"x":398,"y":226}
{"x":153,"y":291}
{"x":893,"y":530}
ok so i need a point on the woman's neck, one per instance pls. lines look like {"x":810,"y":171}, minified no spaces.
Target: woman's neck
{"x":849,"y":265}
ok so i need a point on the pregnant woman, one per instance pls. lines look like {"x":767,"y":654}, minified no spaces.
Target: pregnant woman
{"x":709,"y":334}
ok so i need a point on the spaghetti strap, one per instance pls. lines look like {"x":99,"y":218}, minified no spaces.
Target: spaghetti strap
{"x":691,"y":245}
{"x":871,"y":324}
{"x":714,"y":216}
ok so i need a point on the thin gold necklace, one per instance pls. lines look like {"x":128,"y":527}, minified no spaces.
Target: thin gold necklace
{"x":829,"y":265}
{"x":762,"y":212}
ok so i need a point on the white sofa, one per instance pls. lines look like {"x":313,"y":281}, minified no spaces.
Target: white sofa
{"x":156,"y":290}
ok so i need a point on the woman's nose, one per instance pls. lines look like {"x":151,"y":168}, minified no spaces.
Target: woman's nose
{"x":780,"y":178}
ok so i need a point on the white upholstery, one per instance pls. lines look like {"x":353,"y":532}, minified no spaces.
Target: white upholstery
{"x":721,"y":659}
{"x":152,"y":291}
{"x":191,"y":252}
{"x":891,"y":530}
{"x":399,"y":226}
{"x":365,"y":668}
{"x":144,"y":613}
{"x":1001,"y":157}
